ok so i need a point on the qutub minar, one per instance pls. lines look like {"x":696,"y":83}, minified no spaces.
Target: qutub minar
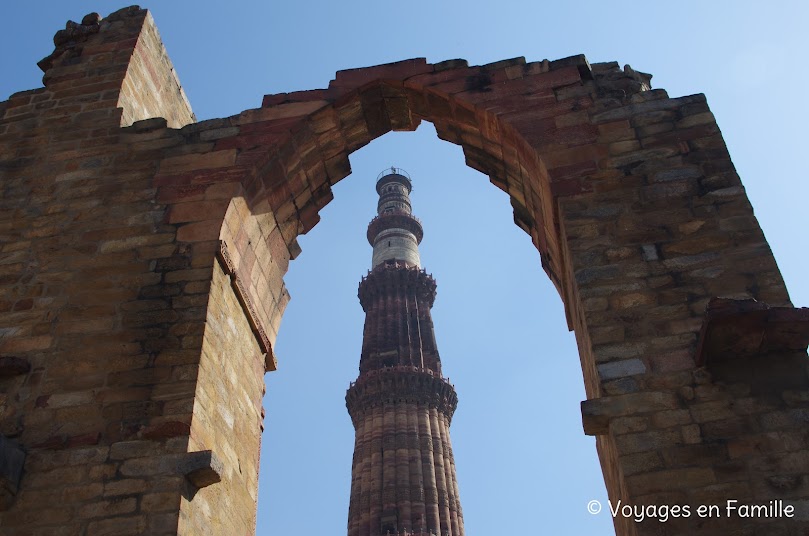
{"x":403,"y":473}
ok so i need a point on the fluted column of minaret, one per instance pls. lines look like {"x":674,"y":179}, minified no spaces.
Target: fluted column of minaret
{"x":403,"y":472}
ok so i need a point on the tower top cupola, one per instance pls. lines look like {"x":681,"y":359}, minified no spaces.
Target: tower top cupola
{"x":393,"y":175}
{"x":395,"y":233}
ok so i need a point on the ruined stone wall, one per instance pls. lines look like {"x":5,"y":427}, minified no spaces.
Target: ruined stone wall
{"x":103,"y":311}
{"x":116,"y":245}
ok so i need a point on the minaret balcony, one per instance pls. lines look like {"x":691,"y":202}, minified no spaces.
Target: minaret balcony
{"x":395,"y":219}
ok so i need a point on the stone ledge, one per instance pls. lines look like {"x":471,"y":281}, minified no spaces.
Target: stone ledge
{"x":202,"y":468}
{"x":402,"y":384}
{"x":739,"y":329}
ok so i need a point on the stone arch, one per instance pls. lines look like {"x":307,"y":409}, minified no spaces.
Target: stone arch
{"x":625,"y":192}
{"x":630,"y":197}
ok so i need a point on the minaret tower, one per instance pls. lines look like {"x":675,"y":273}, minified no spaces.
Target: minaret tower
{"x":403,"y":473}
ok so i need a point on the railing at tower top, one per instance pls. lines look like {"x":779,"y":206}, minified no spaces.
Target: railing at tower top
{"x":394,"y":171}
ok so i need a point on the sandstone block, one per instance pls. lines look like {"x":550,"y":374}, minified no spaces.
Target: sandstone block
{"x":190,"y":162}
{"x":641,"y":463}
{"x":202,"y":468}
{"x":597,"y":413}
{"x":108,"y":508}
{"x":661,"y":481}
{"x":118,"y":526}
{"x":648,"y":441}
{"x":128,"y":486}
{"x":620,"y":369}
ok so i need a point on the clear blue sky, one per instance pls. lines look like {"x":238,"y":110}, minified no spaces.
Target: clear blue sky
{"x":524,"y":464}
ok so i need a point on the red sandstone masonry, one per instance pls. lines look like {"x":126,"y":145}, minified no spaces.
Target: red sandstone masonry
{"x":110,"y":287}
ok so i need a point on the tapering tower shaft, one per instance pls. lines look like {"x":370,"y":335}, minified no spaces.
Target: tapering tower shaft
{"x":403,"y":474}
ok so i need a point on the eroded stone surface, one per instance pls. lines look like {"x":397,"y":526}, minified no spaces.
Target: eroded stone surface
{"x":110,"y":281}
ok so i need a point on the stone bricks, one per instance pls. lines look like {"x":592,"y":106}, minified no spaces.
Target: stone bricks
{"x":189,"y":162}
{"x":124,"y":249}
{"x":597,"y":413}
{"x":671,"y":479}
{"x":619,"y":369}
